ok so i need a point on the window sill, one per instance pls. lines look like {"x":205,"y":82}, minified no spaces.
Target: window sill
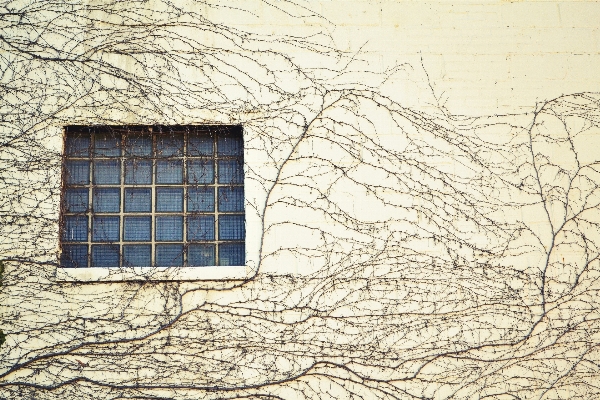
{"x":152,"y":274}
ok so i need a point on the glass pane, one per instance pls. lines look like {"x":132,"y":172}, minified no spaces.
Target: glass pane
{"x":169,"y":172}
{"x":138,"y":200}
{"x":200,"y":171}
{"x":76,"y":229}
{"x":138,"y":172}
{"x":231,"y":199}
{"x":138,"y":145}
{"x":201,"y":255}
{"x":77,"y":145}
{"x":201,"y":199}
{"x":231,"y":171}
{"x":201,"y":227}
{"x":231,"y":227}
{"x":169,"y":199}
{"x":169,"y":229}
{"x":107,"y":144}
{"x":76,"y":200}
{"x":169,"y":255}
{"x":168,"y":145}
{"x":74,"y":256}
{"x":137,"y":229}
{"x":230,"y":145}
{"x":105,"y":229}
{"x":77,"y":172}
{"x":137,"y":256}
{"x":200,"y":144}
{"x":232,"y":254}
{"x":105,"y":256}
{"x":107,"y":172}
{"x":107,"y":200}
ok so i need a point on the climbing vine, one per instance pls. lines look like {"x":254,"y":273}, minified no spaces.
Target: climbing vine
{"x":395,"y":253}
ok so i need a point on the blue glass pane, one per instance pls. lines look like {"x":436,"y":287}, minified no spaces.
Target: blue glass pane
{"x":138,"y":145}
{"x":137,"y":256}
{"x":105,"y":256}
{"x":169,"y":145}
{"x":107,"y":200}
{"x":231,"y":171}
{"x":76,"y":229}
{"x":201,"y":227}
{"x":76,"y":200}
{"x":200,"y":144}
{"x":138,"y":172}
{"x":231,"y":199}
{"x":201,"y":255}
{"x":201,"y":199}
{"x":107,"y":144}
{"x":105,"y":229}
{"x":74,"y":256}
{"x":138,"y":200}
{"x":232,"y":254}
{"x":231,"y":227}
{"x":77,"y":145}
{"x":107,"y":172}
{"x":169,"y":172}
{"x":200,"y":171}
{"x":169,"y":229}
{"x":169,"y":199}
{"x":230,"y":145}
{"x":77,"y":172}
{"x":169,"y":255}
{"x":137,"y":229}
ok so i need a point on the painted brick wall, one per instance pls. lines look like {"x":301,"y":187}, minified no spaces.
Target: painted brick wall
{"x":482,"y":56}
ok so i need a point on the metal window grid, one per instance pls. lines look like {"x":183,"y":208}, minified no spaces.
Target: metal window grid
{"x":99,"y":147}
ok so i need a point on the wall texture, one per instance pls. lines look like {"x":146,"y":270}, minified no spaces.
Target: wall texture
{"x":422,"y":200}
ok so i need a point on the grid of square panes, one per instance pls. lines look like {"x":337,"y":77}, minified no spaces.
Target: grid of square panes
{"x":153,"y":196}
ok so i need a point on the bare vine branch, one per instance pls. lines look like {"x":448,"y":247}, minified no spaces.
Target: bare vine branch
{"x":399,"y":255}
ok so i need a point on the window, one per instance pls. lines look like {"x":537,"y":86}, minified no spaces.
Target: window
{"x":153,"y":196}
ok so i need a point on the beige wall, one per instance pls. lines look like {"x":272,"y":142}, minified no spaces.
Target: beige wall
{"x":482,"y":57}
{"x":404,"y":251}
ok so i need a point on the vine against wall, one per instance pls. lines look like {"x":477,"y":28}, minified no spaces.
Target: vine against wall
{"x":400,"y":254}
